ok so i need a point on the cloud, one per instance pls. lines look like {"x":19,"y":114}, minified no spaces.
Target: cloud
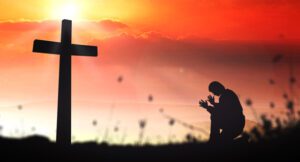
{"x":154,"y":48}
{"x":50,"y":25}
{"x":159,"y":50}
{"x":236,"y":63}
{"x":111,"y":25}
{"x":23,"y":26}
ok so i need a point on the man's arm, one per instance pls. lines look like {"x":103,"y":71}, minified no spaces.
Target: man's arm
{"x":204,"y":105}
{"x":210,"y":109}
{"x":211,"y":100}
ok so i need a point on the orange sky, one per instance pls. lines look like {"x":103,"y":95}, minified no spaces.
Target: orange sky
{"x":214,"y":19}
{"x":169,"y":49}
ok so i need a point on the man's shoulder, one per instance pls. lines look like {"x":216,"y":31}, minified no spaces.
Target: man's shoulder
{"x":229,"y":92}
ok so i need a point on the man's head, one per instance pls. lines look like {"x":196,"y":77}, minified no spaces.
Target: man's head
{"x":216,"y":88}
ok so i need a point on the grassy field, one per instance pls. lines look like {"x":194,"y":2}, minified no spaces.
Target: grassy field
{"x":278,"y":144}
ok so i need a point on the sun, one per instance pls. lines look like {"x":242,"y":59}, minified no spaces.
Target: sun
{"x":67,"y":11}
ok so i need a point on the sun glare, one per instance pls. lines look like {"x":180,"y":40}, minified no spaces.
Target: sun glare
{"x":67,"y":11}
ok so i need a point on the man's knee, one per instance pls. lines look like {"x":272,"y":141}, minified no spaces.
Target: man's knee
{"x":231,"y":133}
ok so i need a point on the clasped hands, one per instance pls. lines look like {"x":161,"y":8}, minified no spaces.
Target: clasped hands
{"x":210,"y":99}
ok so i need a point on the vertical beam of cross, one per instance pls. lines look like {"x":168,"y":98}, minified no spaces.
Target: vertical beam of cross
{"x":65,"y":49}
{"x":63,"y":135}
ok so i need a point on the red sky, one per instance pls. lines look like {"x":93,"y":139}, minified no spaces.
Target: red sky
{"x":169,"y":49}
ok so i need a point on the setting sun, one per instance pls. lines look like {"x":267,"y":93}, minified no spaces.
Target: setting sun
{"x":67,"y":11}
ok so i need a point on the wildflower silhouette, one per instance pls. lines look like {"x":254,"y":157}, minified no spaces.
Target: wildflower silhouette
{"x":94,"y":123}
{"x":116,"y":129}
{"x":277,"y":58}
{"x":120,"y":79}
{"x":142,"y":124}
{"x":20,"y":107}
{"x":249,"y":103}
{"x":171,"y":124}
{"x":183,"y":123}
{"x":190,"y":138}
{"x":271,"y":81}
{"x":292,"y":80}
{"x":150,"y":98}
{"x":1,"y":129}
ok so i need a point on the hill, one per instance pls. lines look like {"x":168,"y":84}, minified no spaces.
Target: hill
{"x":283,"y":148}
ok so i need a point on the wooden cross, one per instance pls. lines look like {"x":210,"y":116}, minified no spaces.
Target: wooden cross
{"x":65,"y":49}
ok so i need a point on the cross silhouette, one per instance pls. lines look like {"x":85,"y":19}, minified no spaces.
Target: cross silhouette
{"x":65,"y":49}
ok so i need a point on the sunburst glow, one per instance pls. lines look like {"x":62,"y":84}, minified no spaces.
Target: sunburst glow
{"x":67,"y":11}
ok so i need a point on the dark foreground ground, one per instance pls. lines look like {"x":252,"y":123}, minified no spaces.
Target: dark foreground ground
{"x":284,"y":148}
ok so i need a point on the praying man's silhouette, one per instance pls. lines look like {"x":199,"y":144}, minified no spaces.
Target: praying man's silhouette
{"x":65,"y":49}
{"x":227,"y":115}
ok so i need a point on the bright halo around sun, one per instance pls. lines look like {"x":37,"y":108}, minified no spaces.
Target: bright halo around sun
{"x":67,"y":11}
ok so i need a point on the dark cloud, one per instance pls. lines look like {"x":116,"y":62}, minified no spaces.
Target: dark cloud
{"x":154,"y":49}
{"x":181,"y":63}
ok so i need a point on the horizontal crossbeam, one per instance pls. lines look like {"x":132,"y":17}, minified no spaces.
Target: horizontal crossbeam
{"x":42,"y":46}
{"x":83,"y":50}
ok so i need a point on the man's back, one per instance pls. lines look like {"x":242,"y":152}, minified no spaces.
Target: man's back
{"x":229,"y":109}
